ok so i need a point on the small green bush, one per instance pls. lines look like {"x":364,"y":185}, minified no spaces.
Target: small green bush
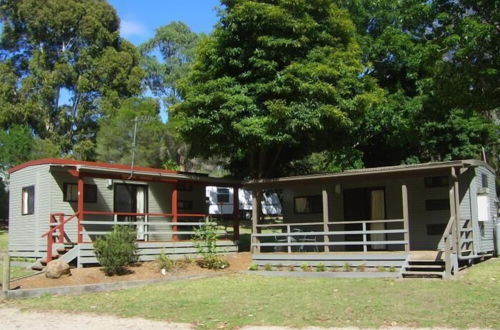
{"x":347,"y":267}
{"x":380,"y":268}
{"x":392,"y":269}
{"x":361,"y":268}
{"x":253,"y":267}
{"x":164,"y":262}
{"x":206,"y":237}
{"x":116,"y":250}
{"x":320,"y":267}
{"x":279,"y":267}
{"x":291,"y":268}
{"x":268,"y":267}
{"x":305,"y":267}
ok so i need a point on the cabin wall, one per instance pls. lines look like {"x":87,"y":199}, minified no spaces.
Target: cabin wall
{"x":484,"y":241}
{"x":25,"y":230}
{"x":420,"y":219}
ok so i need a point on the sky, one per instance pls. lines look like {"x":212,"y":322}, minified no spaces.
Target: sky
{"x":140,"y":18}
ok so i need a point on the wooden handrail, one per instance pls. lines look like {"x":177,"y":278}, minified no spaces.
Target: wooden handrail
{"x":132,"y":214}
{"x":56,"y":225}
{"x":329,"y":223}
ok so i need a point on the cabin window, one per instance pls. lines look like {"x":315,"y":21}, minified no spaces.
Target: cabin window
{"x":184,"y":205}
{"x":28,"y":200}
{"x":483,"y":208}
{"x":184,"y":186}
{"x":308,"y":204}
{"x":437,"y":204}
{"x":484,"y":180}
{"x":71,"y":193}
{"x":436,"y":229}
{"x":223,"y":195}
{"x":436,"y":181}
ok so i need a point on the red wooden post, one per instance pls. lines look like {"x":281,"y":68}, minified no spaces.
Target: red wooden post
{"x":61,"y":228}
{"x":81,"y":186}
{"x":236,"y":214}
{"x":49,"y":246}
{"x":174,"y":209}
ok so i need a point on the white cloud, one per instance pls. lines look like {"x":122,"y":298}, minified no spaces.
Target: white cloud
{"x":131,"y":28}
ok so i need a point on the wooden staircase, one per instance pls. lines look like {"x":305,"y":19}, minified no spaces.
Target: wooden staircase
{"x":64,"y":252}
{"x":431,"y":268}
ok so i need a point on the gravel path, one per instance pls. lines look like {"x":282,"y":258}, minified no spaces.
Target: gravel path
{"x":12,"y":318}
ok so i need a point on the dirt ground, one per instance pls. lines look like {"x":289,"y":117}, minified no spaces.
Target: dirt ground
{"x":142,"y":271}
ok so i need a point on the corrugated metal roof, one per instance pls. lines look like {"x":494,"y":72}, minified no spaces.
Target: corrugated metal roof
{"x":374,"y":170}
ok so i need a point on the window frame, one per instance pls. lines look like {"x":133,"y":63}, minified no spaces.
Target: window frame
{"x":86,"y":196}
{"x":311,"y":210}
{"x":435,"y":181}
{"x":30,"y":210}
{"x":228,"y":194}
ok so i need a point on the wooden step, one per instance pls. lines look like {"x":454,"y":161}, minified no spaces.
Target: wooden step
{"x":426,"y":262}
{"x":422,"y":274}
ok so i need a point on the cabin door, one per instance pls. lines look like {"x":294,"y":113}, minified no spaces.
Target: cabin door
{"x":128,"y":200}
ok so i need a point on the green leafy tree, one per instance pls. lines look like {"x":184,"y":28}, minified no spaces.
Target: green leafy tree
{"x":65,"y":66}
{"x":115,"y":136}
{"x":438,"y":62}
{"x":276,"y":81}
{"x":166,"y":58}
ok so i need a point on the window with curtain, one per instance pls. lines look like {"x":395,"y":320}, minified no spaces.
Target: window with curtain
{"x":28,"y":200}
{"x":308,"y":204}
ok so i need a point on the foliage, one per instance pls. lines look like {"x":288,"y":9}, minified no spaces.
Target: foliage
{"x":206,"y":244}
{"x":174,"y":43}
{"x":438,"y":63}
{"x":347,"y":267}
{"x":116,"y":134}
{"x":268,"y":267}
{"x":253,"y":267}
{"x":305,"y":267}
{"x":321,"y":267}
{"x":361,"y":268}
{"x":116,"y":250}
{"x":275,"y":81}
{"x":63,"y":67}
{"x":164,"y":262}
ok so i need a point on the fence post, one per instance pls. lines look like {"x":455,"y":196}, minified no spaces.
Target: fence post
{"x":61,"y":228}
{"x":326,"y":219}
{"x":6,"y":274}
{"x":365,"y":248}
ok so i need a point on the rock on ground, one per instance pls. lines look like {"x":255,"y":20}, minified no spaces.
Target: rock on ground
{"x":56,"y":269}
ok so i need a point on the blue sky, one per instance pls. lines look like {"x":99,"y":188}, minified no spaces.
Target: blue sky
{"x":139,"y":19}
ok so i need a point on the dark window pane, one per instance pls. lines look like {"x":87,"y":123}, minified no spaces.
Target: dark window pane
{"x":308,"y":204}
{"x":436,"y":181}
{"x":222,"y":195}
{"x":90,"y":193}
{"x":484,"y":181}
{"x":437,"y":204}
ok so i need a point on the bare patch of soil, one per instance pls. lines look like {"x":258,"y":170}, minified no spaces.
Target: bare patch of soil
{"x":142,"y":271}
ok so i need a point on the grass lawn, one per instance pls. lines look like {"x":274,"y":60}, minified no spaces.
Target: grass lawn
{"x":231,"y":301}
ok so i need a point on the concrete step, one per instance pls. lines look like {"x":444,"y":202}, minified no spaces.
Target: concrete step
{"x":426,"y":266}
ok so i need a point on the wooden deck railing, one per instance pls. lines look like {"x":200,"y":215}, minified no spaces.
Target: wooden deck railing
{"x":304,"y":236}
{"x":57,"y":232}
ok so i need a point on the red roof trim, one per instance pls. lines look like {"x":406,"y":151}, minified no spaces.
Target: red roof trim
{"x":70,"y":162}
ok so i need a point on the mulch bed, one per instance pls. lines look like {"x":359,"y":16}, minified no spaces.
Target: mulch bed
{"x":142,"y":271}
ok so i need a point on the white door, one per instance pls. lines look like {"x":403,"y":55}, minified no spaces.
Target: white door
{"x":141,"y":208}
{"x":377,"y":201}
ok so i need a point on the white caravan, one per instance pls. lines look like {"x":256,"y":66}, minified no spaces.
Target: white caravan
{"x":220,"y":202}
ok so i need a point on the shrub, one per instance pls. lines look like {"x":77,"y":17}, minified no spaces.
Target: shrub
{"x":268,"y":267}
{"x":305,"y":267}
{"x":280,"y":267}
{"x":291,"y":268}
{"x":361,"y":268}
{"x":392,"y":269}
{"x":347,"y":267}
{"x":320,"y":268}
{"x":253,"y":267}
{"x":164,"y":262}
{"x":206,"y":237}
{"x":380,"y":268}
{"x":116,"y":250}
